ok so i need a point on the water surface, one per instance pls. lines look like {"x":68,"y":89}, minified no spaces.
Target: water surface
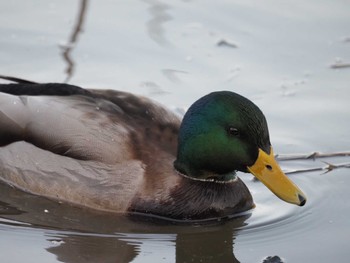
{"x":283,"y":56}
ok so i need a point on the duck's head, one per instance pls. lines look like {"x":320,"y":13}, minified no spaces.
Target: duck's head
{"x":224,"y":132}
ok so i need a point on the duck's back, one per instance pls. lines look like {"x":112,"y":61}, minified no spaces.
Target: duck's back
{"x":90,"y":147}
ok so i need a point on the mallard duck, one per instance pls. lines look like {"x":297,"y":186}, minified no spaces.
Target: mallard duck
{"x":118,"y":152}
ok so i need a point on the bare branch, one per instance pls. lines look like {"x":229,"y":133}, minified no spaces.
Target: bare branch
{"x":312,"y":156}
{"x":329,"y":167}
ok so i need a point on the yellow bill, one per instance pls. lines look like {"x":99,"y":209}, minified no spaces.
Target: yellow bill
{"x":267,"y":170}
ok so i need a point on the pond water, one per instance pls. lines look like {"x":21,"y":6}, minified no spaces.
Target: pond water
{"x":291,"y":58}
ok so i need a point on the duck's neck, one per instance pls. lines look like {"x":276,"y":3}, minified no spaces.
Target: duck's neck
{"x":205,"y":175}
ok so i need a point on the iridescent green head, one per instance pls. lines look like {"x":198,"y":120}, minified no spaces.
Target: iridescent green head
{"x":220,"y":133}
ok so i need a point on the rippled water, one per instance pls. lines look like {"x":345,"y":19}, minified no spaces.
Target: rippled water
{"x":289,"y":58}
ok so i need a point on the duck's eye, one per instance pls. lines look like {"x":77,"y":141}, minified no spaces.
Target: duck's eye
{"x":233,"y":131}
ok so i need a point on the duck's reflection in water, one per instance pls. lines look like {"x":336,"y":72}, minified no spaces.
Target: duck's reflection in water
{"x":79,"y":235}
{"x":88,"y":249}
{"x":213,"y":246}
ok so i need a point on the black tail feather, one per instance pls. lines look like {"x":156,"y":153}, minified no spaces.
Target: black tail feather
{"x":27,"y":87}
{"x":17,"y":80}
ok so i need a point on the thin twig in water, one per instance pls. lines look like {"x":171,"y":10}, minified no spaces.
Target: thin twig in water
{"x":329,"y":167}
{"x":311,"y":156}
